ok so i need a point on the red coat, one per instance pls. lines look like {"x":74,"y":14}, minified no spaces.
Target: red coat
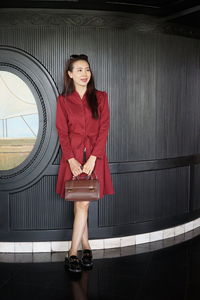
{"x":77,"y":130}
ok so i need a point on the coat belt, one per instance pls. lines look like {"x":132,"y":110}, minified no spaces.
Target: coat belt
{"x":83,"y":139}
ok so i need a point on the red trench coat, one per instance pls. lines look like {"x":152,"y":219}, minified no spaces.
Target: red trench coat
{"x":77,"y":130}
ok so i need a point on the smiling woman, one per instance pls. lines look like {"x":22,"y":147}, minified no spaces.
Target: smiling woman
{"x":18,"y":121}
{"x":82,"y":121}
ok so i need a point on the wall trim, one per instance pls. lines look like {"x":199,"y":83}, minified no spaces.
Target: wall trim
{"x":35,"y":17}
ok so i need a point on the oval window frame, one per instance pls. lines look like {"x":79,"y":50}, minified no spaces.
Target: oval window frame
{"x":45,"y":92}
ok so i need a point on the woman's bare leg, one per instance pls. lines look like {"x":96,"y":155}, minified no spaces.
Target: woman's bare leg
{"x":84,"y":240}
{"x":80,"y":220}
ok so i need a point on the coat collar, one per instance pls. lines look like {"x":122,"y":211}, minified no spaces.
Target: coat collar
{"x":76,"y":95}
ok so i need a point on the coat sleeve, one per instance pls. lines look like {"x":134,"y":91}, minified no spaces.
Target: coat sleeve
{"x":62,"y":128}
{"x":100,"y":145}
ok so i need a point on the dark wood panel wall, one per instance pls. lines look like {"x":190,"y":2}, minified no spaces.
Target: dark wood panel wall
{"x":152,"y":79}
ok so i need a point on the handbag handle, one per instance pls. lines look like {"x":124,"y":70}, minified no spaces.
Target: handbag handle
{"x":88,"y":176}
{"x":84,"y":160}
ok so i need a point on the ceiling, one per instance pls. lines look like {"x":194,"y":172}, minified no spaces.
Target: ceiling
{"x":184,"y":12}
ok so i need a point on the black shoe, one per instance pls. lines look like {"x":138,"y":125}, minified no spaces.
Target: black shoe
{"x":87,"y":259}
{"x":72,"y":263}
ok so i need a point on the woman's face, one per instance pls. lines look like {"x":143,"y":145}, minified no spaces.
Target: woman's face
{"x":81,"y":73}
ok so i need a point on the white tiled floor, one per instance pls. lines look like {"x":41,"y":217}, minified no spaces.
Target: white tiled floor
{"x":60,"y":246}
{"x":128,"y":241}
{"x":189,"y":226}
{"x":97,"y":244}
{"x":41,"y":246}
{"x":7,"y":247}
{"x":196,"y":223}
{"x":142,"y":238}
{"x":168,"y":233}
{"x":156,"y":236}
{"x":23,"y":247}
{"x":112,"y":243}
{"x":179,"y":230}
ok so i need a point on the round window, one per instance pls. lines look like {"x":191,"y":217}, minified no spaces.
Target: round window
{"x":28,"y":137}
{"x":18,"y":120}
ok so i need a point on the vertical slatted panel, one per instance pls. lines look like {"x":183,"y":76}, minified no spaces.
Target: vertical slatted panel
{"x":38,"y":207}
{"x":177,"y":97}
{"x":151,"y":196}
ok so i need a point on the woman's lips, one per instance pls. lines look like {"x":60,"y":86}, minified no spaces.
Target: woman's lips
{"x":84,"y":80}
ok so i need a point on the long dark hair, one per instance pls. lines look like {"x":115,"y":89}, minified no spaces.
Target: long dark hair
{"x":69,"y":84}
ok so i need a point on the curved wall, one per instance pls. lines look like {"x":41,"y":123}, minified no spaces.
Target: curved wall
{"x":152,"y":79}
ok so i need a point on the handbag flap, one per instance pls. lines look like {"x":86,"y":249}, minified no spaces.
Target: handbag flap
{"x":83,"y":183}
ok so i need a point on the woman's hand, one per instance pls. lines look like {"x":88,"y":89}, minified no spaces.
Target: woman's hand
{"x":89,"y":165}
{"x":75,"y":166}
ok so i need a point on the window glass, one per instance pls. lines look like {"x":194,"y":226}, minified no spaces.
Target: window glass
{"x":18,"y":120}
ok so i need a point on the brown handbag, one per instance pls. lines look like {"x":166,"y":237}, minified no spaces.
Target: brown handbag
{"x":82,"y":189}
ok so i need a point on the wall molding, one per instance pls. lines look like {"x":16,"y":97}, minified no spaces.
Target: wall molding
{"x":35,"y":17}
{"x":68,"y":17}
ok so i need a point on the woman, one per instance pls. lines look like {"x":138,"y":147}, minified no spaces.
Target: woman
{"x":82,"y":121}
